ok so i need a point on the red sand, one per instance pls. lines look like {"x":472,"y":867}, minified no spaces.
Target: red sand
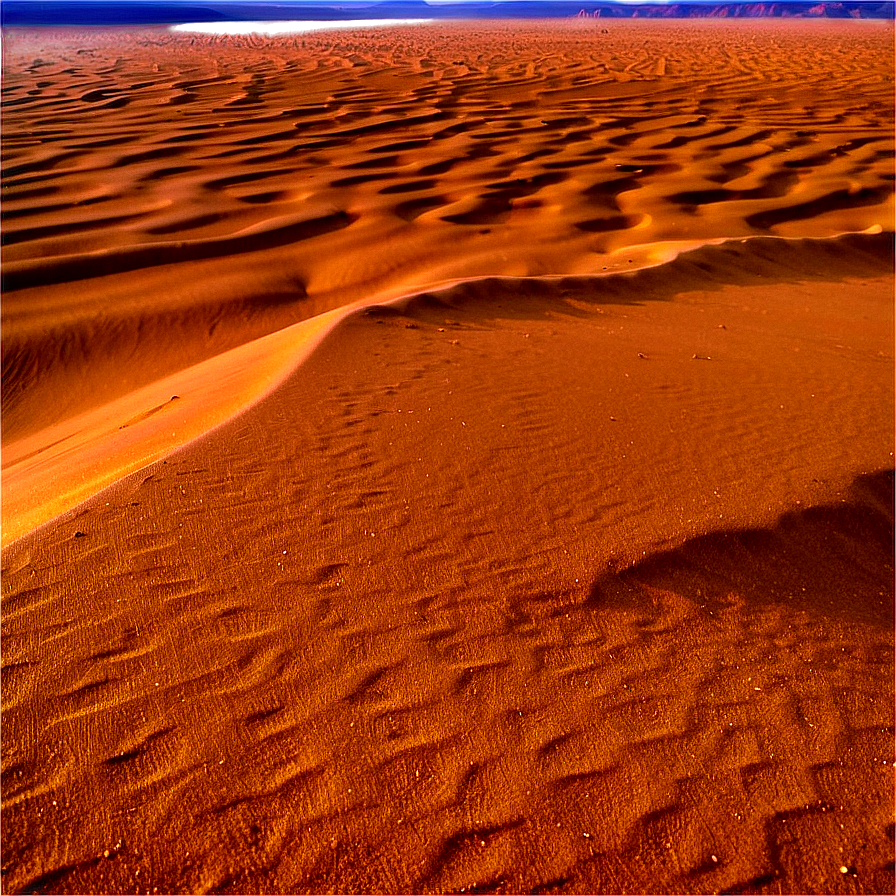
{"x":560,"y":563}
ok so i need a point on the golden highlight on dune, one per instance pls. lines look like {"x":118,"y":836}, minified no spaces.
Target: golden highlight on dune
{"x":449,"y":458}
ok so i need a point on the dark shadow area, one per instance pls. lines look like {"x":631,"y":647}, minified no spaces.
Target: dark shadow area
{"x":834,"y":561}
{"x":130,"y":258}
{"x":749,"y":262}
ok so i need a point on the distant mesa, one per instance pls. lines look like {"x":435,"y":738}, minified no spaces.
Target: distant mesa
{"x":849,"y":9}
{"x":152,"y":12}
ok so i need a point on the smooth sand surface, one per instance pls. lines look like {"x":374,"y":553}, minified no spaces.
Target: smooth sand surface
{"x":450,"y":460}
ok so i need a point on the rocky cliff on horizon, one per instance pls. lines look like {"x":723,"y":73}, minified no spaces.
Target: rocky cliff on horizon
{"x":831,"y":10}
{"x":133,"y":12}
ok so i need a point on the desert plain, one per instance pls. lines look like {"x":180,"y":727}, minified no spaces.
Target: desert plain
{"x":449,"y":458}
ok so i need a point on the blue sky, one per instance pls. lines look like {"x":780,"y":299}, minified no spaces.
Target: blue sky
{"x":371,"y":2}
{"x":431,"y":2}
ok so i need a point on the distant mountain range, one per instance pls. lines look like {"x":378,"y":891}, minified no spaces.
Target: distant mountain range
{"x":145,"y":12}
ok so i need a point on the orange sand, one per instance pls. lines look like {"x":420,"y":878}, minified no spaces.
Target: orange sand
{"x":523,"y":521}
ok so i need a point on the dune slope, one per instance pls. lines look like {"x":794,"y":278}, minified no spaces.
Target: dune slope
{"x":557,"y":558}
{"x":413,"y":622}
{"x":169,"y":197}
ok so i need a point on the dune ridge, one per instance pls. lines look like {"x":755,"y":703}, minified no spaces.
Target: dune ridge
{"x":452,"y":461}
{"x":238,"y":185}
{"x":284,"y":630}
{"x":49,"y":472}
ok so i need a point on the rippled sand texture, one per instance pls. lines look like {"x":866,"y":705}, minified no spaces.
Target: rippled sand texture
{"x":561,"y":562}
{"x":287,"y":177}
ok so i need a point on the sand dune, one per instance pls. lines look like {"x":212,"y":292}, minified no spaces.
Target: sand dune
{"x":53,"y":470}
{"x":523,"y":521}
{"x":286,"y":177}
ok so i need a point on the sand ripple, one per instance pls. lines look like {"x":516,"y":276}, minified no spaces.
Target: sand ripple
{"x":564,"y":563}
{"x":221,"y":188}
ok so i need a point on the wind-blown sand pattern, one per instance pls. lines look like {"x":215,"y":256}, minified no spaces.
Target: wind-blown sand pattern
{"x":450,"y":460}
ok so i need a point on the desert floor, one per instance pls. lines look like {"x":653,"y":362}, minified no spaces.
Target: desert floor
{"x":455,"y":458}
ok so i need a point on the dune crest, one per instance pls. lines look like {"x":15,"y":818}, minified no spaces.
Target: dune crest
{"x":53,"y":470}
{"x":207,"y":191}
